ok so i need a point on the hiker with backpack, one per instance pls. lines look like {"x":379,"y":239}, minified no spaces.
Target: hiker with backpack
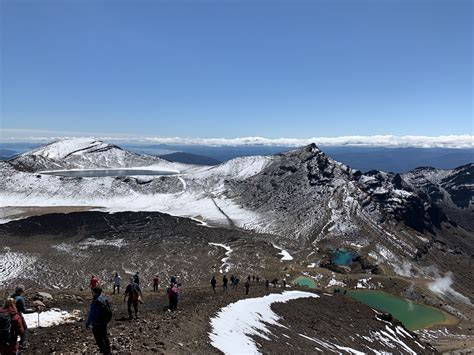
{"x":156,"y":282}
{"x":117,"y":282}
{"x":21,"y":308}
{"x":136,"y":278}
{"x":134,"y":294}
{"x":225,"y":280}
{"x":11,"y":327}
{"x":172,"y":293}
{"x":213,"y":283}
{"x":100,"y":314}
{"x":247,"y":287}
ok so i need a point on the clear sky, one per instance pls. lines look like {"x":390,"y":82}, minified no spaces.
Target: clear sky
{"x":228,"y":68}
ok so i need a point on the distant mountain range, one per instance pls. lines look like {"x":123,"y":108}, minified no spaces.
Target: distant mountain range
{"x":361,"y":158}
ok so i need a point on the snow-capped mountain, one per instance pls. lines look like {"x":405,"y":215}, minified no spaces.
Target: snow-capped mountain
{"x":304,"y":198}
{"x":84,"y":153}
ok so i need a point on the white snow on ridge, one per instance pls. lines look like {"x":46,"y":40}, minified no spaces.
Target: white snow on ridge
{"x":64,"y":147}
{"x":234,"y":324}
{"x":237,"y":169}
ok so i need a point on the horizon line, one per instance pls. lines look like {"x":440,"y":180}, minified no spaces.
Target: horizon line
{"x":461,"y":141}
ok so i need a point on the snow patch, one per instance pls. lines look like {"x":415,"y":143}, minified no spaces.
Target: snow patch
{"x":50,"y":318}
{"x":285,"y":256}
{"x":234,"y":324}
{"x":225,"y":265}
{"x":13,"y":264}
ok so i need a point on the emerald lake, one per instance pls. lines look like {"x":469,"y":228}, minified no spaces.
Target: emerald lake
{"x":413,"y":315}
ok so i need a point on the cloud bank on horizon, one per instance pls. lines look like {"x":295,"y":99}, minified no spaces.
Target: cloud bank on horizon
{"x":447,"y":141}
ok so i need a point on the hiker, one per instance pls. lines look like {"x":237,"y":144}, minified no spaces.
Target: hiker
{"x":172,"y":279}
{"x":274,"y":282}
{"x":253,"y":278}
{"x":248,"y":278}
{"x":284,"y":282}
{"x":134,"y":294}
{"x":21,"y":308}
{"x":136,"y":278}
{"x":232,"y":280}
{"x":100,"y":314}
{"x":267,"y":284}
{"x":117,"y":282}
{"x":258,"y":279}
{"x":94,"y":282}
{"x":156,"y":282}
{"x":213,"y":283}
{"x":224,"y":283}
{"x":172,"y":292}
{"x":247,"y":287}
{"x":236,"y":281}
{"x":11,"y":327}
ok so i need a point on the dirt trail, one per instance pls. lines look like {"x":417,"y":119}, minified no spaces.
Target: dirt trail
{"x":156,"y":330}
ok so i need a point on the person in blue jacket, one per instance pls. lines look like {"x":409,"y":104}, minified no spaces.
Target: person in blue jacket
{"x":98,"y":318}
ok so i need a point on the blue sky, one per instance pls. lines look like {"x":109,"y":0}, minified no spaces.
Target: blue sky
{"x":238,"y":68}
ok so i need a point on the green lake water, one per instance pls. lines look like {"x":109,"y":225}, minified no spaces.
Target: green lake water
{"x":342,"y":257}
{"x":305,"y":281}
{"x":412,"y":315}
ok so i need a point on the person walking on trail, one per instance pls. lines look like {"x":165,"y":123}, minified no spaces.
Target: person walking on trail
{"x":156,"y":282}
{"x":247,"y":287}
{"x":172,"y":293}
{"x":136,"y":278}
{"x":11,"y":328}
{"x":100,"y":314}
{"x":248,"y":278}
{"x":225,"y":280}
{"x":258,"y":279}
{"x":213,"y":283}
{"x":284,"y":282}
{"x":117,"y":282}
{"x":267,"y":284}
{"x":94,"y":282}
{"x":134,"y":293}
{"x":21,"y":309}
{"x":236,"y":282}
{"x":253,"y":278}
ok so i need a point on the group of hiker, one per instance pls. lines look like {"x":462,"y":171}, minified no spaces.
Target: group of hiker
{"x":13,"y":327}
{"x":14,"y":330}
{"x":100,"y":312}
{"x":234,"y":281}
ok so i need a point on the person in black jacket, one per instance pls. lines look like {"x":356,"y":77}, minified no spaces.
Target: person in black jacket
{"x":98,"y":319}
{"x":225,"y":280}
{"x":213,"y":283}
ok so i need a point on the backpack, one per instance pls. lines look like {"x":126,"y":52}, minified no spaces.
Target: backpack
{"x":105,"y":311}
{"x":5,"y":328}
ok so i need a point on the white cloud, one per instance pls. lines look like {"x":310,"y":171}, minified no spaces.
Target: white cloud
{"x":448,"y":141}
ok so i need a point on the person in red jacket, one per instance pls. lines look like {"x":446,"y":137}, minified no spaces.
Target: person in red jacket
{"x":94,"y":282}
{"x":9,"y":346}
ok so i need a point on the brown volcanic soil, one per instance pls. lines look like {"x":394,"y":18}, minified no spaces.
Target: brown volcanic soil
{"x":334,"y":318}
